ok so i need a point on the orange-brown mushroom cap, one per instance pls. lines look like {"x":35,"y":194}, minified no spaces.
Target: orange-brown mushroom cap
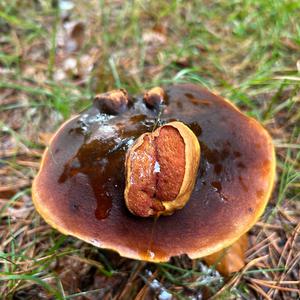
{"x":79,"y":188}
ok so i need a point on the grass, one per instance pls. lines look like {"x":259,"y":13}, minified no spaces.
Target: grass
{"x":247,"y":51}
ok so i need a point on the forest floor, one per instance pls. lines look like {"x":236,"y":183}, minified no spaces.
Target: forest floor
{"x":56,"y":55}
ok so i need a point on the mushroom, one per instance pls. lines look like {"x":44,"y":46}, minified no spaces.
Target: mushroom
{"x":79,"y":189}
{"x":161,"y":170}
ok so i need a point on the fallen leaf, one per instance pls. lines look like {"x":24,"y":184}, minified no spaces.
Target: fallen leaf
{"x":75,"y":36}
{"x":231,"y":259}
{"x":290,"y":44}
{"x":154,"y":38}
{"x":70,"y":65}
{"x":183,"y":62}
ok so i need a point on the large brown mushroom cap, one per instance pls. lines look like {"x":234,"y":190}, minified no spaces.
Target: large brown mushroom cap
{"x":79,"y":188}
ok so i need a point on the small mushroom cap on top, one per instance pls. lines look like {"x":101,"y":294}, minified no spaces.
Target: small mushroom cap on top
{"x":154,"y":97}
{"x":113,"y":102}
{"x":79,"y":189}
{"x":161,"y":169}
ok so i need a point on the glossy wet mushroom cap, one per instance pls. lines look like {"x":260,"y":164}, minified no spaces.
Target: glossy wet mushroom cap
{"x":79,"y":189}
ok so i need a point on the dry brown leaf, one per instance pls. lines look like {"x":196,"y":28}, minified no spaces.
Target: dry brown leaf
{"x":231,"y":259}
{"x":154,"y":38}
{"x":75,"y":36}
{"x":290,"y":44}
